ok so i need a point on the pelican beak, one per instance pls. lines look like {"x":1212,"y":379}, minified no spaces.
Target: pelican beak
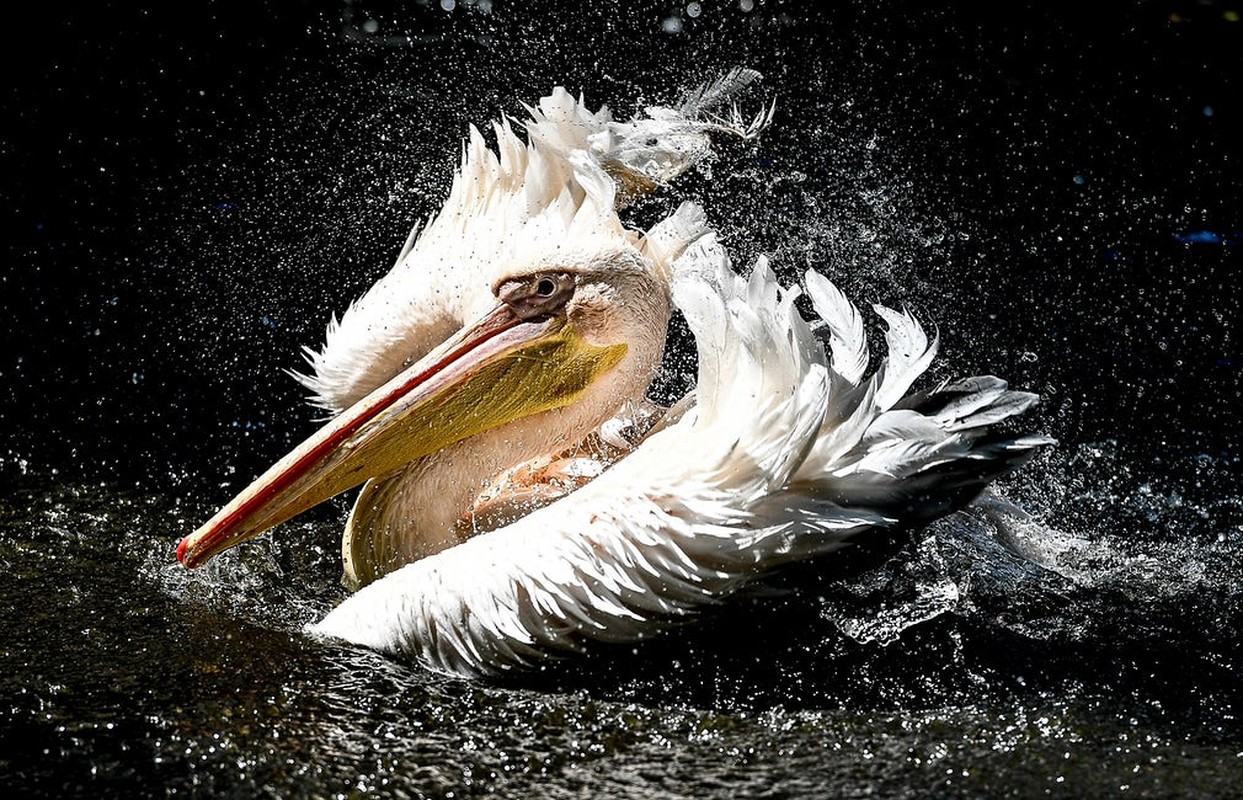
{"x":504,"y":367}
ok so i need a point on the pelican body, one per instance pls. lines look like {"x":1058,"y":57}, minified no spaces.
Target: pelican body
{"x":521,"y":499}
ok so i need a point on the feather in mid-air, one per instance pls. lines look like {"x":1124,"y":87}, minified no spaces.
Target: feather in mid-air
{"x":521,"y":498}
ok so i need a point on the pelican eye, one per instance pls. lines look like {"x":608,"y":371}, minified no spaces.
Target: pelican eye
{"x":537,"y":295}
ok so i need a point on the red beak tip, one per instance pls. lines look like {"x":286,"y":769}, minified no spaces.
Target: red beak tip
{"x":181,"y":550}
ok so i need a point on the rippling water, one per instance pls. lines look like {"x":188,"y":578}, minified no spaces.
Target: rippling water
{"x":1067,"y":212}
{"x":985,"y":655}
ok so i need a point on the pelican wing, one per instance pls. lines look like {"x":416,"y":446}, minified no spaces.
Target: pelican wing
{"x":517,"y":205}
{"x":782,"y":454}
{"x":506,"y":208}
{"x":737,"y":487}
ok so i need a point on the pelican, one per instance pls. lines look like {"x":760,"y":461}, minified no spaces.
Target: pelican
{"x":521,"y":499}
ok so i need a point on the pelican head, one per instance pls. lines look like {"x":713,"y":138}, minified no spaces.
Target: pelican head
{"x":562,"y":346}
{"x":518,"y":320}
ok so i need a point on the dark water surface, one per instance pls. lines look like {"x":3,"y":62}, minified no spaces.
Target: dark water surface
{"x":188,"y":196}
{"x":1073,"y":664}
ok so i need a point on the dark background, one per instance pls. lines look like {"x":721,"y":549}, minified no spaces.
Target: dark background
{"x":190,"y":189}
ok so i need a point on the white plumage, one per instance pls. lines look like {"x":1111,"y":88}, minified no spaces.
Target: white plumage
{"x":784,"y":452}
{"x":549,"y":200}
{"x":756,"y":475}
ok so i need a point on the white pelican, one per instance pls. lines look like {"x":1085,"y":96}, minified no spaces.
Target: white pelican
{"x":469,"y":381}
